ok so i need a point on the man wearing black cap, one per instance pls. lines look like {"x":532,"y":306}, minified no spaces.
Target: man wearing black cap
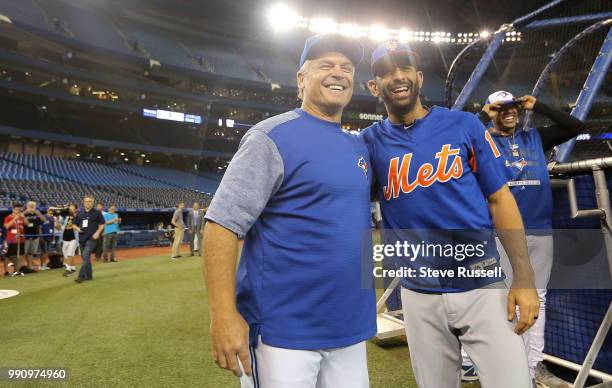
{"x":439,"y":180}
{"x":297,"y":191}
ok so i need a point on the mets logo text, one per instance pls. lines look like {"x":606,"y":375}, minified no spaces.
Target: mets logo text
{"x":449,"y":166}
{"x":362,"y":164}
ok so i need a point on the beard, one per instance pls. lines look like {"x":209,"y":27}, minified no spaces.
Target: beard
{"x":401,"y":107}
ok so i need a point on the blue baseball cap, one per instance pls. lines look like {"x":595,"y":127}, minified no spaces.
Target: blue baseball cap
{"x":326,"y":43}
{"x":390,"y":52}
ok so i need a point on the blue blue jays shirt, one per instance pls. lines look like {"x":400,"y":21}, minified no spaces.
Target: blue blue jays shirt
{"x":48,"y":226}
{"x":524,"y":165}
{"x":298,"y":191}
{"x":433,"y":177}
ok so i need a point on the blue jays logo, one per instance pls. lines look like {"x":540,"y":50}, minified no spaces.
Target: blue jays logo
{"x":518,"y":164}
{"x":362,"y":164}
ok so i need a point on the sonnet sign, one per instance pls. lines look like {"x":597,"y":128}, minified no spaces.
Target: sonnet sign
{"x":365,"y":116}
{"x":370,"y":116}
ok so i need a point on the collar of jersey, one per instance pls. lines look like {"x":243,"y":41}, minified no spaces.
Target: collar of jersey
{"x":403,"y":127}
{"x":517,"y":130}
{"x":310,"y":117}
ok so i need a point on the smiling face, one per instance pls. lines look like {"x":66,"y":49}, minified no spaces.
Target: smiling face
{"x":88,"y":203}
{"x":506,"y":119}
{"x":326,"y":82}
{"x":398,"y":83}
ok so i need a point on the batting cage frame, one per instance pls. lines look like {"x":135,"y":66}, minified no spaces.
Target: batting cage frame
{"x":559,"y":167}
{"x":561,"y":153}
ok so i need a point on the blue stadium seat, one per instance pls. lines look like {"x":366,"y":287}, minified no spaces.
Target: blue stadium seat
{"x":87,"y":25}
{"x":161,"y":45}
{"x":25,"y":11}
{"x":54,"y":180}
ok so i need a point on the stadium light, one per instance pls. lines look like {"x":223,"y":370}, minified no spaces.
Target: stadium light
{"x":323,"y":26}
{"x":282,"y":18}
{"x":380,"y":34}
{"x":404,"y":36}
{"x":353,"y":30}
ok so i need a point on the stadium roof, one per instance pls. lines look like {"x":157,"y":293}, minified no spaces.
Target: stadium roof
{"x":247,"y":17}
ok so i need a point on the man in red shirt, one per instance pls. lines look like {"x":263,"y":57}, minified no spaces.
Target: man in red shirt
{"x":13,"y":223}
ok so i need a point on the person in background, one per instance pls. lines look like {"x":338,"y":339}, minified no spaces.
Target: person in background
{"x":46,"y":239}
{"x":159,"y":233}
{"x":99,"y":249}
{"x":33,"y":220}
{"x":89,"y":223}
{"x":3,"y":248}
{"x":194,"y":224}
{"x":525,"y":168}
{"x":70,"y":241}
{"x":111,"y":231}
{"x":179,"y":230}
{"x":13,"y":223}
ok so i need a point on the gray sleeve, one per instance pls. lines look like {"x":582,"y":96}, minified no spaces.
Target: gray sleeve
{"x":252,"y":177}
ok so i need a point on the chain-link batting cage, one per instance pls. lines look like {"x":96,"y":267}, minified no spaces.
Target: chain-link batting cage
{"x":560,"y":53}
{"x":578,"y":321}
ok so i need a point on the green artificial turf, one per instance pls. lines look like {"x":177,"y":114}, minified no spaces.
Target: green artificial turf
{"x":141,"y":322}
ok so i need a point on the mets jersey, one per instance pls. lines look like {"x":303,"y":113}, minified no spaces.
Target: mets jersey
{"x":298,"y":190}
{"x":433,"y":179}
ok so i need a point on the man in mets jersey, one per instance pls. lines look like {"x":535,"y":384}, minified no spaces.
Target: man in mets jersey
{"x":436,"y":172}
{"x":298,"y":192}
